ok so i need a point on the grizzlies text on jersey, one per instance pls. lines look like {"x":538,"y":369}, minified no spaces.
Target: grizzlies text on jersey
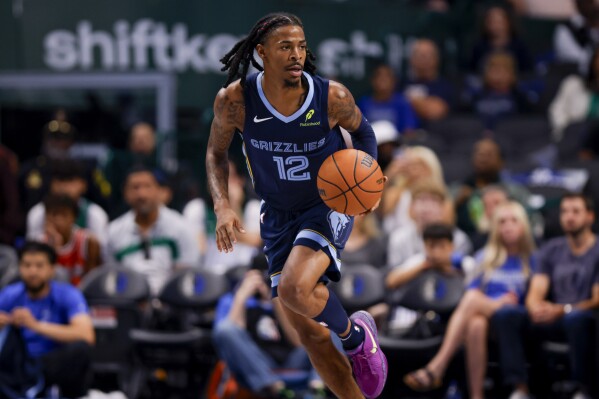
{"x":284,"y":153}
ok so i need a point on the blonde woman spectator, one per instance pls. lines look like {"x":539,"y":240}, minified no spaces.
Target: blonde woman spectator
{"x":505,"y":264}
{"x":413,"y":165}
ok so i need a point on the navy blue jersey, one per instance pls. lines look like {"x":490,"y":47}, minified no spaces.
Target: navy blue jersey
{"x":284,"y":153}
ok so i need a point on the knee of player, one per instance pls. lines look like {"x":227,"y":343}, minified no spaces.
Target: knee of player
{"x":293,"y":294}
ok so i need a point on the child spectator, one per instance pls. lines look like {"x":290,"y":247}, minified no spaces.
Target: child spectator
{"x":68,"y":179}
{"x":438,"y":255}
{"x":77,"y":249}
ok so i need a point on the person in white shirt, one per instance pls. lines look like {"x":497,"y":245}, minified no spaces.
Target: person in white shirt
{"x":68,"y":179}
{"x":150,"y":238}
{"x":427,"y":207}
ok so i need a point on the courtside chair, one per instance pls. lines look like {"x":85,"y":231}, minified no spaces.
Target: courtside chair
{"x":360,"y":287}
{"x":175,"y":356}
{"x":118,"y":299}
{"x":436,"y":295}
{"x":9,"y":265}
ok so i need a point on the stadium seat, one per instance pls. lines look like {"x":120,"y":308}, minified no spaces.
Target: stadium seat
{"x":117,"y":298}
{"x":525,"y":134}
{"x":9,"y":265}
{"x":436,"y":295}
{"x":457,"y":127}
{"x":569,"y":146}
{"x":176,"y":354}
{"x":360,"y":287}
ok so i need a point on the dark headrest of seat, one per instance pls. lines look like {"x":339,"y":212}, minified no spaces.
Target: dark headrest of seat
{"x":194,"y":288}
{"x":360,"y":286}
{"x":431,"y":290}
{"x":115,"y":284}
{"x":8,"y":257}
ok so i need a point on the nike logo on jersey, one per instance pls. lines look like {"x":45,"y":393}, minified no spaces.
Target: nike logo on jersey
{"x":256,"y":120}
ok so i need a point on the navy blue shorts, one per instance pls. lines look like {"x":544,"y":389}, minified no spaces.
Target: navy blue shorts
{"x":319,"y":228}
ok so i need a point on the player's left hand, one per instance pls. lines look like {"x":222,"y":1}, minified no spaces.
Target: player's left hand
{"x":377,"y":203}
{"x":22,"y":317}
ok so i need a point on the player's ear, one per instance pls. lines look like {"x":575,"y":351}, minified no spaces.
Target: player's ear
{"x":260,"y":51}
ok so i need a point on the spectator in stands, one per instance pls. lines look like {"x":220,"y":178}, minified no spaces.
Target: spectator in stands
{"x":438,"y":255}
{"x":10,"y":212}
{"x":499,"y":96}
{"x":77,"y":249}
{"x":141,"y":151}
{"x":150,"y":238}
{"x":36,"y":174}
{"x":427,"y":207}
{"x":409,"y":167}
{"x":577,"y":100}
{"x":430,"y":95}
{"x":505,"y":265}
{"x":487,"y":167}
{"x":254,"y":338}
{"x":203,"y":219}
{"x":52,"y":318}
{"x":490,"y":198}
{"x":563,"y":292}
{"x":366,"y":244}
{"x":385,"y":103}
{"x":68,"y":179}
{"x":574,"y":41}
{"x":499,"y":35}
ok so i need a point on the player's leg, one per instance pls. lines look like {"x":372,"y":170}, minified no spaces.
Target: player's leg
{"x":332,"y":366}
{"x":300,"y":291}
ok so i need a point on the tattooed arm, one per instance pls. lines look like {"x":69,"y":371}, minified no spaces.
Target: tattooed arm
{"x":342,"y":111}
{"x":229,"y":114}
{"x":342,"y":108}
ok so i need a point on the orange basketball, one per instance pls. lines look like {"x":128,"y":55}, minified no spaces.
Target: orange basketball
{"x":350,"y":182}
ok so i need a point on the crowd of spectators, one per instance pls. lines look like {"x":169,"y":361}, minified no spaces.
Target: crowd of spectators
{"x":485,"y":226}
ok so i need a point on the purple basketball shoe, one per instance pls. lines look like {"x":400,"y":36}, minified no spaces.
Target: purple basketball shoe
{"x":369,"y":363}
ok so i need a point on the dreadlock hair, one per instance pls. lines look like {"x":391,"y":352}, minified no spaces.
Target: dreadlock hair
{"x":238,"y":60}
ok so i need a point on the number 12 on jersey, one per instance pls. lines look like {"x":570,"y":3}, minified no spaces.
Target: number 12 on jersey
{"x":292,"y":168}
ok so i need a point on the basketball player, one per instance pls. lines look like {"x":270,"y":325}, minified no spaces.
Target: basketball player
{"x":289,"y":119}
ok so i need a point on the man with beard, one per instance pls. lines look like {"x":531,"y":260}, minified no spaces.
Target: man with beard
{"x":151,"y":238}
{"x":563,"y":292}
{"x":52,"y":318}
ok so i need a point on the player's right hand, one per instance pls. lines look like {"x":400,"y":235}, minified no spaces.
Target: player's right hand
{"x":227,"y":222}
